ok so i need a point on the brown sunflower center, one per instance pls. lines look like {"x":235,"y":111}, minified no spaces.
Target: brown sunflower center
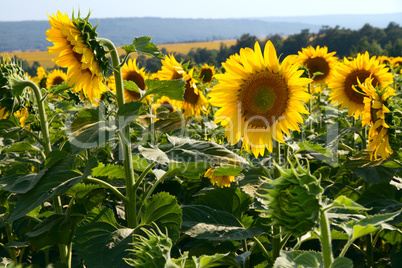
{"x":138,"y":80}
{"x":263,"y":99}
{"x":206,"y":75}
{"x":189,"y":94}
{"x":351,"y":80}
{"x":57,"y":80}
{"x":168,"y":106}
{"x":315,"y":65}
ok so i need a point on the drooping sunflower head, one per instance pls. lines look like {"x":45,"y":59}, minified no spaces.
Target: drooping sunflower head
{"x":219,"y":180}
{"x":375,"y":110}
{"x":80,"y":52}
{"x":206,"y":73}
{"x":346,"y":77}
{"x":259,"y":98}
{"x":194,"y":102}
{"x":131,"y":72}
{"x":55,"y":77}
{"x":320,"y":65}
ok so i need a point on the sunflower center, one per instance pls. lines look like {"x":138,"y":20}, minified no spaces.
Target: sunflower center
{"x":57,"y":80}
{"x":351,"y":80}
{"x":189,"y":94}
{"x":168,"y":106}
{"x":315,"y":65}
{"x":206,"y":75}
{"x":140,"y":82}
{"x":263,"y":98}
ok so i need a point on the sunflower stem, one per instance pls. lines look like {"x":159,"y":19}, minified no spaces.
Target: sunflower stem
{"x":124,"y":133}
{"x":276,"y":231}
{"x":364,"y":138}
{"x":63,"y":249}
{"x":310,"y":109}
{"x":325,"y":239}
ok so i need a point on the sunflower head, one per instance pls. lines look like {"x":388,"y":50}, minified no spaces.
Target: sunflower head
{"x":194,"y":102}
{"x":376,"y":103}
{"x":80,"y":52}
{"x":206,"y":73}
{"x":55,"y":77}
{"x":344,"y":84}
{"x":319,"y":63}
{"x":293,"y":200}
{"x":259,"y":98}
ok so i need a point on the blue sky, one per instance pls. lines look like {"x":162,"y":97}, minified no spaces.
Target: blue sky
{"x":37,"y":9}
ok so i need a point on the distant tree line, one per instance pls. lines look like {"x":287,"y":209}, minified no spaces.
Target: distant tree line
{"x":346,"y":43}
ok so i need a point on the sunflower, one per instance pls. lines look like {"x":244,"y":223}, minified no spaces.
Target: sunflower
{"x":347,"y":74}
{"x":317,"y":60}
{"x":165,"y":102}
{"x":260,"y":99}
{"x":221,"y":181}
{"x":375,"y":108}
{"x":206,"y":73}
{"x":194,"y":100}
{"x":131,"y":72}
{"x":385,"y":60}
{"x":397,"y":64}
{"x":85,"y":60}
{"x":3,"y":113}
{"x":22,"y":114}
{"x":56,"y":77}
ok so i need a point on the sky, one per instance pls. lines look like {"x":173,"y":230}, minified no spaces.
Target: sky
{"x":23,"y":10}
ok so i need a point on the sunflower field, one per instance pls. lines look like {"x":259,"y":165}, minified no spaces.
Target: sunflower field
{"x":263,"y":162}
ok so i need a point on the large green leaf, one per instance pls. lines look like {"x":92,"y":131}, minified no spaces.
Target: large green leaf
{"x":21,"y":184}
{"x":206,"y":261}
{"x":110,"y":171}
{"x":231,"y":200}
{"x":346,"y":203}
{"x":57,"y":180}
{"x":204,"y":222}
{"x":162,"y":209}
{"x":55,"y":229}
{"x":22,"y":147}
{"x":174,"y":89}
{"x":89,"y":129}
{"x":188,"y":150}
{"x":296,"y":259}
{"x":100,"y":242}
{"x":129,"y":112}
{"x":315,"y":150}
{"x":342,"y":262}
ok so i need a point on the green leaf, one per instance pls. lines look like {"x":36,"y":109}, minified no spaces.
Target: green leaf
{"x":21,"y":184}
{"x":55,"y":156}
{"x":129,"y":112}
{"x":376,"y":174}
{"x":131,"y":86}
{"x":22,"y":147}
{"x":315,"y":150}
{"x":297,"y":259}
{"x":227,"y":170}
{"x":100,"y":242}
{"x":110,"y":171}
{"x":203,"y":222}
{"x":205,"y":261}
{"x":335,"y":134}
{"x":57,"y":180}
{"x":142,"y":45}
{"x":356,"y":229}
{"x":231,"y":200}
{"x":342,"y":262}
{"x":174,"y":89}
{"x":347,"y":203}
{"x":89,"y":129}
{"x":162,"y":209}
{"x":60,"y":88}
{"x":188,"y":150}
{"x":55,"y":229}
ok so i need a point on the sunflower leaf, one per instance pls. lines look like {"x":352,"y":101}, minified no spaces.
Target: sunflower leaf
{"x":142,"y":45}
{"x":174,"y":89}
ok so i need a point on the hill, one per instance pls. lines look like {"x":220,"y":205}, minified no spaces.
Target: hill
{"x":30,"y":35}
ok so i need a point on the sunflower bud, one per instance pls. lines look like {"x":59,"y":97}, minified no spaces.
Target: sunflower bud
{"x":294,"y":200}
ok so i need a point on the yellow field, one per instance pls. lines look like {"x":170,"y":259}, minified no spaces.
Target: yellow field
{"x":45,"y":60}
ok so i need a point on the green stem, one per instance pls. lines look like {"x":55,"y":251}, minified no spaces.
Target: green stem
{"x":310,"y":109}
{"x":325,"y":239}
{"x":276,"y":237}
{"x":364,"y":138}
{"x":11,"y":239}
{"x":47,"y":148}
{"x":108,"y":186}
{"x":369,"y":249}
{"x":131,"y":215}
{"x":263,"y":249}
